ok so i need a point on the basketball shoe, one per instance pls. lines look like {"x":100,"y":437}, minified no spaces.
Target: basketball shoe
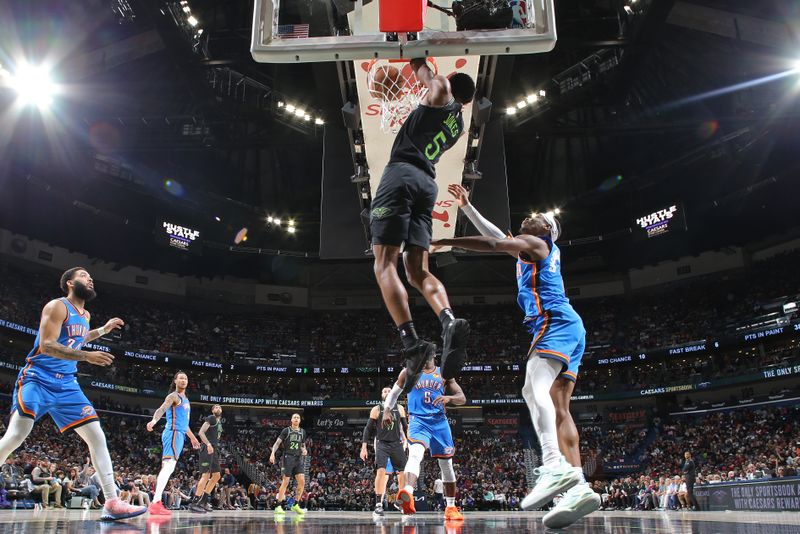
{"x":579,"y":501}
{"x":406,"y":500}
{"x":454,"y":349}
{"x":158,"y":508}
{"x":550,"y":483}
{"x":116,"y":508}
{"x":451,"y":513}
{"x":416,"y":357}
{"x":296,"y":509}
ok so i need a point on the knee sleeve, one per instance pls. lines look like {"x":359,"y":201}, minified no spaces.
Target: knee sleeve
{"x":446,"y":466}
{"x":415,"y":453}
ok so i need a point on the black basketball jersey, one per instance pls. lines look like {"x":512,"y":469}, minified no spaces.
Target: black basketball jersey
{"x":389,"y":433}
{"x":214,"y":430}
{"x":426,"y":134}
{"x":293,"y":440}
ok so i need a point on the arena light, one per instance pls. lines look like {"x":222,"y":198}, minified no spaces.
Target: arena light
{"x":276,"y":221}
{"x":307,"y":117}
{"x":33,"y":85}
{"x":532,"y":98}
{"x":187,"y":9}
{"x":511,"y":110}
{"x":521,"y":104}
{"x":319,"y":122}
{"x":291,"y":229}
{"x":290,"y":108}
{"x":300,"y":112}
{"x":193,"y":21}
{"x":542,"y":93}
{"x":270,"y":220}
{"x":281,"y":104}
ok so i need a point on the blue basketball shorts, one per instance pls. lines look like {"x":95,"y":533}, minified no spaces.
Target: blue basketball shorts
{"x":559,"y":334}
{"x":172,"y":443}
{"x":434,"y":433}
{"x":37,"y":394}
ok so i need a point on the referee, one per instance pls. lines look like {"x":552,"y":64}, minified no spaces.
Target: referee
{"x":389,"y":445}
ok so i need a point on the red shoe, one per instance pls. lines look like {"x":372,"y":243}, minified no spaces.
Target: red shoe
{"x":158,"y":508}
{"x":406,"y":500}
{"x":451,"y":513}
{"x":116,"y":508}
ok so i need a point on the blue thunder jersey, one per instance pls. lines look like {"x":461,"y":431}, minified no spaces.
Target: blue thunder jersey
{"x":429,"y":387}
{"x":540,"y":285}
{"x":178,"y":416}
{"x":73,"y":335}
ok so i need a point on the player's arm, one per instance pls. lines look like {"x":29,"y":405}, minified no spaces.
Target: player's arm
{"x":403,"y":424}
{"x":54,"y":315}
{"x":484,"y":226}
{"x":204,"y":438}
{"x":455,"y":395}
{"x":391,"y":398}
{"x":170,"y":401}
{"x":284,"y":435}
{"x":369,"y":431}
{"x":532,"y":246}
{"x":192,"y":439}
{"x":112,"y":324}
{"x":438,"y":85}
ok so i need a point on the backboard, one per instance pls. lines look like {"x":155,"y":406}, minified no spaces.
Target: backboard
{"x":288,"y":31}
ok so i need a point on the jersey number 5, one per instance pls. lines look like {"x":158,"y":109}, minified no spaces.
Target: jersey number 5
{"x":427,"y":399}
{"x":434,"y":148}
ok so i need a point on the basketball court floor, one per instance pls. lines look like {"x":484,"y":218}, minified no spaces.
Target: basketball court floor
{"x":75,"y":521}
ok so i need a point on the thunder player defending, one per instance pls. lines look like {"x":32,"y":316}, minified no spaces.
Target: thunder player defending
{"x":390,"y":454}
{"x":294,"y":453}
{"x":401,"y":214}
{"x":176,"y":406}
{"x":553,"y":359}
{"x":209,"y":433}
{"x":428,"y":429}
{"x":47,"y":383}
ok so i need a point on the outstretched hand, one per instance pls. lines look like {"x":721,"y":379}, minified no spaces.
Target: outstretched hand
{"x":460,"y":193}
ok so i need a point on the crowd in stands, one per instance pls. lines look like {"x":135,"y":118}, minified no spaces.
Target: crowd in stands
{"x":644,"y":320}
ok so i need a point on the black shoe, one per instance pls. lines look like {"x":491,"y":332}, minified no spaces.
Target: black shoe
{"x":197,"y":507}
{"x":454,"y":351}
{"x":416,"y":357}
{"x":378,"y":512}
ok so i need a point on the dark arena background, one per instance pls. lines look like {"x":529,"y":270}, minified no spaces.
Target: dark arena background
{"x":212,"y":170}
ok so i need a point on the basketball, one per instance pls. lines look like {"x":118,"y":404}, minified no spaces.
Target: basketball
{"x":386,"y":82}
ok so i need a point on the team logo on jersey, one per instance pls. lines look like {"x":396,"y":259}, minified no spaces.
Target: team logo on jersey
{"x":87,"y":411}
{"x":449,"y":450}
{"x":380,"y":213}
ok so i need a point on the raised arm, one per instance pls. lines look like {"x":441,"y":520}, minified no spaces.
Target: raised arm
{"x":391,"y":398}
{"x":170,"y":401}
{"x":484,"y":226}
{"x":54,"y":315}
{"x":534,"y":247}
{"x":437,"y":84}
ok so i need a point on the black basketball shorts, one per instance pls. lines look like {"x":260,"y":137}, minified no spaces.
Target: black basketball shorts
{"x":390,"y":450}
{"x":292,"y":465}
{"x":402,"y":205}
{"x":209,"y":463}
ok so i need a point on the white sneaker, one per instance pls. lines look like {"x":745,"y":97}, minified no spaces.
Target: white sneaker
{"x":550,"y":483}
{"x":576,"y":503}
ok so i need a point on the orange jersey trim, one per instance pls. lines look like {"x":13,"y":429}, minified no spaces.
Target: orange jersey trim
{"x":554,"y":353}
{"x":79,"y":421}
{"x":19,"y":393}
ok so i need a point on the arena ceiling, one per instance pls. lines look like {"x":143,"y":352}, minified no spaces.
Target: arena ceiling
{"x":153,"y":123}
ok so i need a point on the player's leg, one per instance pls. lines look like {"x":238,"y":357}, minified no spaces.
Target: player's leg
{"x":279,"y":507}
{"x":18,"y":429}
{"x":415,"y":259}
{"x":557,"y":475}
{"x":380,"y":488}
{"x":172,"y":445}
{"x":198,"y":502}
{"x":442,"y":448}
{"x":299,"y":504}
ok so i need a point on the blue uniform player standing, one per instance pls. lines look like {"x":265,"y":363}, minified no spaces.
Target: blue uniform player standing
{"x":428,"y":428}
{"x":47,"y":384}
{"x":178,"y":410}
{"x":558,"y":342}
{"x":401,"y":216}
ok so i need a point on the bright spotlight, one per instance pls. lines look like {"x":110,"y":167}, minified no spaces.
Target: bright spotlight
{"x":531,"y":98}
{"x":290,"y":108}
{"x":542,"y":93}
{"x":270,"y":220}
{"x":187,"y":9}
{"x":511,"y":110}
{"x":291,"y":229}
{"x":33,"y":85}
{"x":193,"y":21}
{"x":307,"y":117}
{"x":276,"y":221}
{"x":280,"y":104}
{"x":300,"y":112}
{"x":319,"y":122}
{"x":557,"y":211}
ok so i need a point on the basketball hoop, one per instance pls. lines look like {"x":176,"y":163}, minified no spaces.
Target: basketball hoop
{"x":399,"y":94}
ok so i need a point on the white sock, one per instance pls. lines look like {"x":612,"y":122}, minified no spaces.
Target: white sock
{"x":451,"y":501}
{"x":167,"y":467}
{"x":94,"y":437}
{"x":18,"y":429}
{"x":539,"y":377}
{"x":409,"y":488}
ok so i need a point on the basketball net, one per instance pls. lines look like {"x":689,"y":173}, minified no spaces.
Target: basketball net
{"x":399,"y":96}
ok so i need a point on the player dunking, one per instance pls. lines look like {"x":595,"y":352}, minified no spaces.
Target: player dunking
{"x":428,"y":428}
{"x":48,"y":385}
{"x":209,"y":433}
{"x":553,"y":359}
{"x":390,"y":455}
{"x":294,"y":453}
{"x":176,"y":406}
{"x":401,"y":214}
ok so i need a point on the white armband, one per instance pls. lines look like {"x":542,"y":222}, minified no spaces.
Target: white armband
{"x":486,"y":228}
{"x":391,"y":398}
